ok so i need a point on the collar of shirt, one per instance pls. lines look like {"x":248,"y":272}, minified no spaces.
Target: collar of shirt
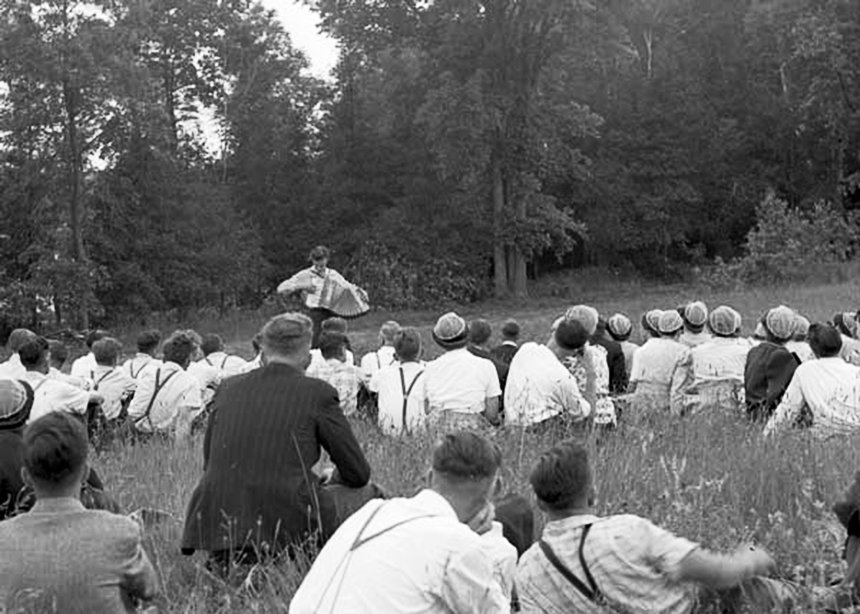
{"x":510,"y":343}
{"x":34,"y":376}
{"x":54,"y":505}
{"x":563,"y":525}
{"x":433,"y":503}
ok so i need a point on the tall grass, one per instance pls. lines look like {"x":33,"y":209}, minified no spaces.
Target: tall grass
{"x":710,"y":477}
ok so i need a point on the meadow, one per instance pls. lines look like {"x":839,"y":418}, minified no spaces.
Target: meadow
{"x":708,"y":477}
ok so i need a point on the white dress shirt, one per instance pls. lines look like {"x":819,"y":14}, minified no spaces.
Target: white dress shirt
{"x":135,"y":366}
{"x":540,"y":387}
{"x":176,"y":404}
{"x":408,"y":555}
{"x":850,"y":350}
{"x":310,"y":277}
{"x":255,"y":363}
{"x":82,"y":366}
{"x":226,"y":363}
{"x":115,"y":386}
{"x":830,"y":388}
{"x":318,"y":361}
{"x":459,"y":382}
{"x":12,"y":368}
{"x":375,"y":361}
{"x":208,"y":379}
{"x":389,"y":387}
{"x":77,"y":382}
{"x":51,"y":395}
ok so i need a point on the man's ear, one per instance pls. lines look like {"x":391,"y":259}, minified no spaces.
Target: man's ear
{"x":26,"y":477}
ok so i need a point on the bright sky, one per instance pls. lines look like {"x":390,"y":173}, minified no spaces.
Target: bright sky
{"x":302,"y":25}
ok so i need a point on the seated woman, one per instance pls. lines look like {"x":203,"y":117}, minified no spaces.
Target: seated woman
{"x":718,"y":364}
{"x":770,"y":366}
{"x":16,"y":402}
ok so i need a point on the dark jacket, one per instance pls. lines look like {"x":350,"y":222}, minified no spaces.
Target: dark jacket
{"x":504,"y":353}
{"x":11,"y":461}
{"x":616,"y":363}
{"x":265,"y":434}
{"x":768,"y":372}
{"x":501,"y":368}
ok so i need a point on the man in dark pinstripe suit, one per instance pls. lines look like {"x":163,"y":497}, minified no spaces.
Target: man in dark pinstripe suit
{"x":258,"y":494}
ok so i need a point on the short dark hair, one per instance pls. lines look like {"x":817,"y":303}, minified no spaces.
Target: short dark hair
{"x":332,"y":344}
{"x":320,"y":252}
{"x":510,"y":330}
{"x":33,"y":352}
{"x":211,"y":343}
{"x":334,"y":325}
{"x":407,"y":344}
{"x":59,"y":351}
{"x":179,"y":347}
{"x":825,"y":340}
{"x":562,"y":475}
{"x":55,"y":448}
{"x":255,"y":342}
{"x":571,"y":334}
{"x":480,"y":331}
{"x":464,"y":455}
{"x":106,"y":351}
{"x":148,"y":340}
{"x":95,"y":335}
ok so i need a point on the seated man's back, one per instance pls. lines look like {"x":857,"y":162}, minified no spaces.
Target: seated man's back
{"x":60,"y":554}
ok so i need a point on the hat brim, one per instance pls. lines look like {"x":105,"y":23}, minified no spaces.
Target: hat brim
{"x":19,"y":418}
{"x":455,"y":343}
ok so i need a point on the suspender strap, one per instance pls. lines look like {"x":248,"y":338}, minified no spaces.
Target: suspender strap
{"x":208,"y":362}
{"x":158,"y":386}
{"x":590,"y":592}
{"x":131,"y":369}
{"x":224,"y":362}
{"x":98,"y":381}
{"x":406,"y":393}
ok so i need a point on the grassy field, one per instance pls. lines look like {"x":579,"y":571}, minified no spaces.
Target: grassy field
{"x":709,"y":477}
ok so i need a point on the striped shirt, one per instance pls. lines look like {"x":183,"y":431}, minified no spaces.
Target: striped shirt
{"x":635,"y":566}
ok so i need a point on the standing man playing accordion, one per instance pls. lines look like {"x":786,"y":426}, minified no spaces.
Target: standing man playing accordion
{"x":325,"y":292}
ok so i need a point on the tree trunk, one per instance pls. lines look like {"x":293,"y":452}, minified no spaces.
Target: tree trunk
{"x":500,"y":267}
{"x":170,"y":106}
{"x":519,"y":274}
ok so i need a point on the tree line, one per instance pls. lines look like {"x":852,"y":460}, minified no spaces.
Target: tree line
{"x":461,"y":147}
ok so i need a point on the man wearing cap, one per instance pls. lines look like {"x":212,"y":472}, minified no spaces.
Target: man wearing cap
{"x":12,"y":368}
{"x":459,"y":389}
{"x":620,"y":328}
{"x":824,"y":394}
{"x":663,"y":368}
{"x":510,"y":342}
{"x":309,"y":283}
{"x":541,"y":391}
{"x":695,"y":316}
{"x":373,"y":362}
{"x":718,"y":364}
{"x":770,"y":366}
{"x":257,"y":495}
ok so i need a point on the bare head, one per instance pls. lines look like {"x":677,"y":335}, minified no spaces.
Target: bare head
{"x":34,"y":355}
{"x":568,"y":338}
{"x":319,"y":258}
{"x":388,"y":332}
{"x":562,"y":480}
{"x":55,"y":455}
{"x":106,"y":351}
{"x":286,"y":339}
{"x":465,"y":468}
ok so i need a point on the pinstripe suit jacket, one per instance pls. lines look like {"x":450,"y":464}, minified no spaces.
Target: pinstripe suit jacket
{"x":60,"y":557}
{"x":264,"y":435}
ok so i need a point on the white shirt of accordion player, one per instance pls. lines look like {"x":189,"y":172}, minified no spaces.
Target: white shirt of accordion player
{"x":311,"y":278}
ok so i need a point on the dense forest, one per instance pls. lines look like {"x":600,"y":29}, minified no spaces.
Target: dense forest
{"x":460,"y":148}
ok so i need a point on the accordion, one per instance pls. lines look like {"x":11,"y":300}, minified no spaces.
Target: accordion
{"x":344,"y":301}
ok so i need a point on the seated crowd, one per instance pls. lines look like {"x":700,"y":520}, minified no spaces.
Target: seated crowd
{"x":294,"y":479}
